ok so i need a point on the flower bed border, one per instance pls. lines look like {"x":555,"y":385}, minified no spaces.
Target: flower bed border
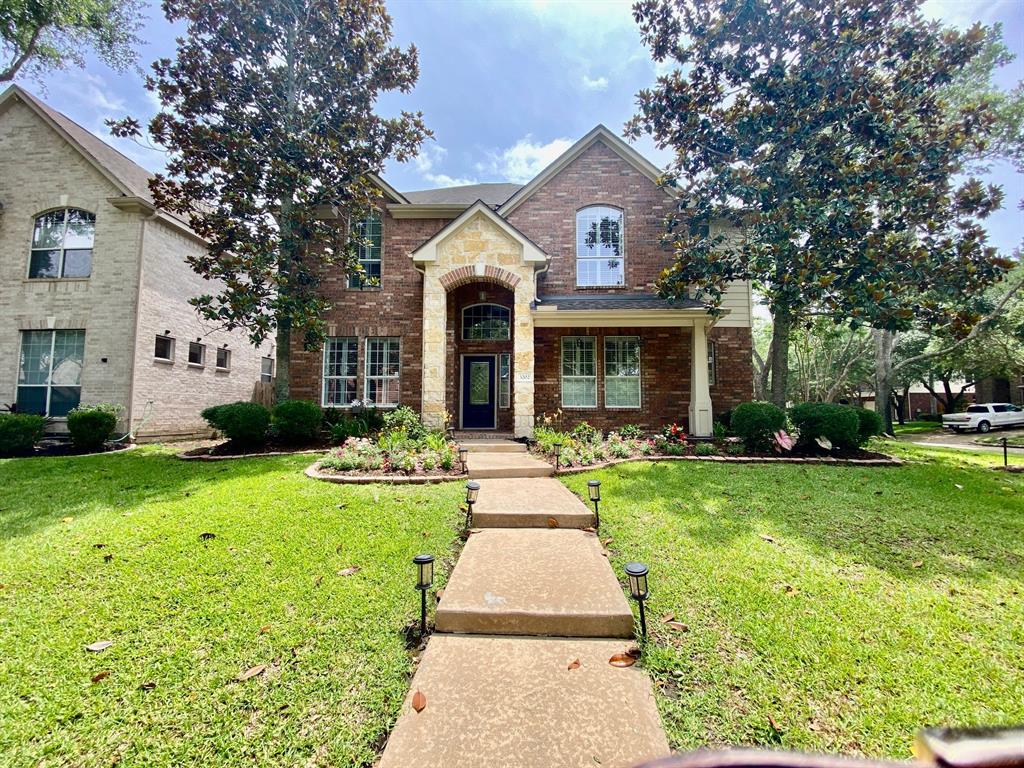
{"x":889,"y":461}
{"x":184,"y":455}
{"x":313,"y":471}
{"x":119,"y":449}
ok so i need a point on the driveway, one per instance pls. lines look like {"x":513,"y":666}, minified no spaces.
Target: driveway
{"x":963,"y":440}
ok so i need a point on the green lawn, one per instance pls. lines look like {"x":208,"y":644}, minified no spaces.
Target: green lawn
{"x":916,"y":428}
{"x":109,"y":548}
{"x":994,"y":438}
{"x":829,"y":608}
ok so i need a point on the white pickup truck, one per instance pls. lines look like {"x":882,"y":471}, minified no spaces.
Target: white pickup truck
{"x":984,"y":417}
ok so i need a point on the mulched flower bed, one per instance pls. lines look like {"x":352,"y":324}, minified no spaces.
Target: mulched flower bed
{"x":230,"y":450}
{"x":878,"y":460}
{"x":62,"y":448}
{"x":363,"y":476}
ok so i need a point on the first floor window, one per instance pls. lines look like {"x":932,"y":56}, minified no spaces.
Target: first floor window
{"x":504,"y":380}
{"x":163,"y":349}
{"x":712,"y":364}
{"x":622,"y":372}
{"x":196,"y":353}
{"x":579,"y":372}
{"x":368,"y":249}
{"x":50,"y":371}
{"x":267,"y":369}
{"x":383,"y":361}
{"x":223,"y":358}
{"x":340,"y":370}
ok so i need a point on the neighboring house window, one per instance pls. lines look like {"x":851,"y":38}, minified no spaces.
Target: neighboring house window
{"x":163,"y":348}
{"x":50,"y":371}
{"x":62,"y":244}
{"x":340,"y":371}
{"x":712,"y":364}
{"x":486,"y":322}
{"x":223,"y":359}
{"x":622,"y":372}
{"x":383,"y":361}
{"x":599,"y":247}
{"x":504,"y":380}
{"x":196,"y":353}
{"x":267,"y":369}
{"x":579,"y":372}
{"x":369,"y":232}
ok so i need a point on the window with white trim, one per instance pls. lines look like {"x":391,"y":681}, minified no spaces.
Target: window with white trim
{"x":196,"y":353}
{"x":579,"y":372}
{"x":712,"y":364}
{"x":266,"y":369}
{"x":163,"y":349}
{"x":62,"y":244}
{"x":504,"y":380}
{"x":599,"y":257}
{"x":369,"y":234}
{"x":223,"y":359}
{"x":50,"y":371}
{"x":341,"y":371}
{"x":383,"y":365}
{"x":486,"y":322}
{"x":622,"y":371}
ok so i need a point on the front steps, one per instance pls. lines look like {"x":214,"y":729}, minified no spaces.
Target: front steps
{"x":495,"y":457}
{"x":514,"y":702}
{"x":505,"y":503}
{"x":534,"y":582}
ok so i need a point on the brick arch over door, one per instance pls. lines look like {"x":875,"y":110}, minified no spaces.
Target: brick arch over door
{"x":468,"y":274}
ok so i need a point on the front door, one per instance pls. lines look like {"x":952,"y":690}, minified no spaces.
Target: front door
{"x":479,"y":392}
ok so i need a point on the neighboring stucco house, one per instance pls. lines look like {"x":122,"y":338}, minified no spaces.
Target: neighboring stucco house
{"x":498,"y":303}
{"x":94,"y":286}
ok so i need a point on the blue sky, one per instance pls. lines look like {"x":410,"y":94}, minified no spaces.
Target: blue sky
{"x":507,"y":86}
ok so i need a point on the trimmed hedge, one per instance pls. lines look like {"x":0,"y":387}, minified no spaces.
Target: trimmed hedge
{"x":19,"y":432}
{"x":92,"y":425}
{"x":838,"y":423}
{"x":243,"y":422}
{"x":756,"y":422}
{"x":297,"y":421}
{"x":871,"y":424}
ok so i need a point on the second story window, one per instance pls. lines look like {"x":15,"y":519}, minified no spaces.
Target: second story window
{"x":599,"y":252}
{"x":62,"y":244}
{"x":368,"y":232}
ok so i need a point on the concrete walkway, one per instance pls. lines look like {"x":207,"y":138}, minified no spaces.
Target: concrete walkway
{"x":517,"y":673}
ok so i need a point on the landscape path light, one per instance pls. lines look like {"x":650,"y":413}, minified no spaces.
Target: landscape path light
{"x":472,"y":491}
{"x":594,"y":489}
{"x":463,"y":457}
{"x":424,"y":579}
{"x":637,"y":575}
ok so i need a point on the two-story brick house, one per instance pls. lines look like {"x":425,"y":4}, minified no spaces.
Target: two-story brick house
{"x":498,"y":303}
{"x":94,"y":286}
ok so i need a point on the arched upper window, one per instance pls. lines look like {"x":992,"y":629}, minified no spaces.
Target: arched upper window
{"x":486,"y":322}
{"x":599,"y":247}
{"x":62,"y":244}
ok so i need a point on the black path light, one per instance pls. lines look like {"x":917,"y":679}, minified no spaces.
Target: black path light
{"x":463,"y":457}
{"x":558,"y":455}
{"x":472,"y":491}
{"x":424,"y":579}
{"x":637,"y":575}
{"x":594,"y":489}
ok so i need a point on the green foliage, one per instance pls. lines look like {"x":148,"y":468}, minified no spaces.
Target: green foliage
{"x":297,"y":421}
{"x":346,"y":427}
{"x":673,"y":433}
{"x":735,"y":449}
{"x":92,"y":425}
{"x":756,"y":422}
{"x":870,"y":424}
{"x":837,"y":423}
{"x":19,"y":432}
{"x":705,"y":449}
{"x":719,"y":430}
{"x":405,"y":421}
{"x":630,"y":431}
{"x":242,"y":422}
{"x":585,"y":433}
{"x":36,"y":37}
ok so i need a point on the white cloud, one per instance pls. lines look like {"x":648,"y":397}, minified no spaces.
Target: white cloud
{"x":525,"y":159}
{"x":430,"y":156}
{"x":595,"y":83}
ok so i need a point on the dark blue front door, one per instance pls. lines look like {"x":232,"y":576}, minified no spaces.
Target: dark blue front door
{"x":478,"y":392}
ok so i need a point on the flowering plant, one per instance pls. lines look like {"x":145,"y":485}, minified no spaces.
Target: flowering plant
{"x":674,"y":433}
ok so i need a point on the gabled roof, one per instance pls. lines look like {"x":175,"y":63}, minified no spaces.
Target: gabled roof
{"x":606,"y":137}
{"x":492,"y":193}
{"x":427,"y":252}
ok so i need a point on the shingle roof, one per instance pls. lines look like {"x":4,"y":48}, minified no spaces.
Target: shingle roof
{"x":626,"y":301}
{"x":492,"y":193}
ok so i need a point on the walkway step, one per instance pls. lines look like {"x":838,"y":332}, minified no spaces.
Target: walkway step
{"x":493,"y":446}
{"x":529,"y":503}
{"x":534,"y":582}
{"x":484,"y":465}
{"x":514,"y":702}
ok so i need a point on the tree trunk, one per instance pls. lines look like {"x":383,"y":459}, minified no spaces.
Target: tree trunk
{"x":782,"y":326}
{"x":883,"y":376}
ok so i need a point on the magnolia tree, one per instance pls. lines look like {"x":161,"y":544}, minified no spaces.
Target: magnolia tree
{"x":267,"y":112}
{"x":817,"y":129}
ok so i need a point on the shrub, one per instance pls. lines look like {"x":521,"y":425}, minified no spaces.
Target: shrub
{"x":586,"y":433}
{"x":631,"y":431}
{"x":346,"y":427}
{"x":19,"y":432}
{"x":243,"y":422}
{"x":719,"y":430}
{"x":620,"y":450}
{"x":705,"y":449}
{"x":837,"y":423}
{"x":756,"y":422}
{"x":297,"y":421}
{"x":92,"y":425}
{"x":546,"y":438}
{"x":725,"y":417}
{"x":871,"y":424}
{"x":405,"y":421}
{"x":735,"y":449}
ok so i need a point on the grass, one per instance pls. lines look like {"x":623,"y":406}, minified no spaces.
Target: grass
{"x":837,"y":609}
{"x":1014,"y":441}
{"x":110,"y":548}
{"x":917,"y":428}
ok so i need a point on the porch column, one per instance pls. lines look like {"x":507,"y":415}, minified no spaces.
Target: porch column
{"x":701,"y":418}
{"x":522,"y":361}
{"x":435,"y":320}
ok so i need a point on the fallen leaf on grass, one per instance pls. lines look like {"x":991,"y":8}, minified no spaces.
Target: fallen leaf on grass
{"x":767,"y":538}
{"x":774,"y":725}
{"x":667,"y":618}
{"x":264,"y":629}
{"x":207,"y":536}
{"x":419,"y":701}
{"x":99,"y":546}
{"x":317,"y":580}
{"x":789,"y":589}
{"x":606,"y":542}
{"x":574,"y":664}
{"x":622,"y":660}
{"x":101,"y":675}
{"x":259,"y":669}
{"x":958,"y":486}
{"x":678,"y":626}
{"x":147,"y":686}
{"x":552,"y":523}
{"x":352,"y":569}
{"x":99,"y":645}
{"x":108,"y":557}
{"x":917,"y":564}
{"x":66,"y":519}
